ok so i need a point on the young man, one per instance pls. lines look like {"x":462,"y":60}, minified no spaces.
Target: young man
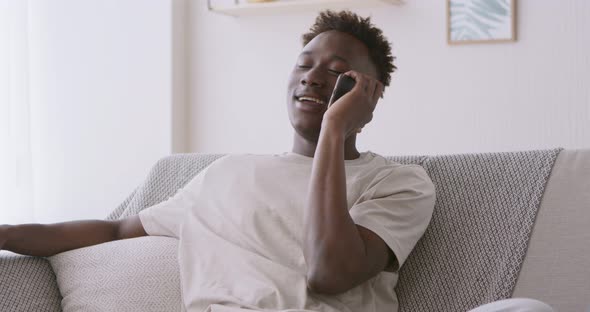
{"x":322,"y":228}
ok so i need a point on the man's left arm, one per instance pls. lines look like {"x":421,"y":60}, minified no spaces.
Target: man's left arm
{"x":339,"y":254}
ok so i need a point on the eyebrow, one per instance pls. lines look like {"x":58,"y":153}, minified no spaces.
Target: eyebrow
{"x":334,"y":56}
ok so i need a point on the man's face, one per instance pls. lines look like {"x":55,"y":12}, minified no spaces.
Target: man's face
{"x":314,"y":75}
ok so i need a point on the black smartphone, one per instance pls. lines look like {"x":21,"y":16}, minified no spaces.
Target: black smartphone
{"x":343,"y":85}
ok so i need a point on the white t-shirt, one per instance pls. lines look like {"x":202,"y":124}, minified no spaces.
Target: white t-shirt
{"x":240,"y":225}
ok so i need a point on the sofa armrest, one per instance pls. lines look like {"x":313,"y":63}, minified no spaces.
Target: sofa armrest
{"x":27,"y":284}
{"x":555,"y":269}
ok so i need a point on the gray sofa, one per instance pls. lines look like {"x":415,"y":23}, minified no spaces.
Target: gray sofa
{"x":552,"y":266}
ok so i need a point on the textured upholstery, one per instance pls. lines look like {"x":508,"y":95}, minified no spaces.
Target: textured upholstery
{"x":474,"y":246}
{"x":128,"y":275}
{"x":556,"y":268}
{"x":17,"y":288}
{"x":27,"y":284}
{"x":166,"y":177}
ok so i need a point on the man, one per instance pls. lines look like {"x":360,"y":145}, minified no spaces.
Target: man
{"x":322,"y":228}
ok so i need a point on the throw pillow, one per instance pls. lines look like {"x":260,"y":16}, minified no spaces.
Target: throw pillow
{"x":139,"y":274}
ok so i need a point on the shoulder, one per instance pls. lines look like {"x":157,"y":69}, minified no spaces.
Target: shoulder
{"x":234,"y":158}
{"x":244,"y":157}
{"x":387,"y":162}
{"x":409,"y":176}
{"x":387,"y":168}
{"x":242,"y":162}
{"x":394,"y":177}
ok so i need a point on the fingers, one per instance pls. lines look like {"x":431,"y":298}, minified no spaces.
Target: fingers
{"x":367,"y":91}
{"x":372,"y":87}
{"x":360,"y":80}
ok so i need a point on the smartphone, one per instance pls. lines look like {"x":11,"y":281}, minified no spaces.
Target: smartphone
{"x":343,"y":85}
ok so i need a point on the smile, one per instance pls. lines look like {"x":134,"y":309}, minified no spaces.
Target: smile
{"x":311,"y":99}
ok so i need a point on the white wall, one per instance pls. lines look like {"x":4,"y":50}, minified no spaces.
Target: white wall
{"x":101,"y":101}
{"x":444,"y":99}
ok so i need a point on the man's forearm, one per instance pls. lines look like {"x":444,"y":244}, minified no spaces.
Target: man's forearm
{"x":45,"y":240}
{"x":332,"y":243}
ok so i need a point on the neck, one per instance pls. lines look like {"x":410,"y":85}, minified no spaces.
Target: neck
{"x":305,"y":147}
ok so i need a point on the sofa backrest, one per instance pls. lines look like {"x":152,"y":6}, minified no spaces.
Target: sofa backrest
{"x":172,"y":172}
{"x":473,"y":249}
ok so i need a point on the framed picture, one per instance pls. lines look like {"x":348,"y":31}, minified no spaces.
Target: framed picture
{"x":481,"y":21}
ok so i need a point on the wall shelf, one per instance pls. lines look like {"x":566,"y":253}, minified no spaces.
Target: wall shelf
{"x":291,"y":6}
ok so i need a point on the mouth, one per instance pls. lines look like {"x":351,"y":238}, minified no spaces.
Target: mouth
{"x":311,"y":100}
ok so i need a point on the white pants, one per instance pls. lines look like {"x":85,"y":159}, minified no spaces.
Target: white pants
{"x":514,"y":305}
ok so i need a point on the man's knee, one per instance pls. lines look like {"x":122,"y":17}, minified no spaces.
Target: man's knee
{"x":514,"y":305}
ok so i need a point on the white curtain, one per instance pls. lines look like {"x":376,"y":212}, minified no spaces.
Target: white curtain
{"x":16,"y":174}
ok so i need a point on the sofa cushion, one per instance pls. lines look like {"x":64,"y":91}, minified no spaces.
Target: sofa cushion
{"x":139,"y":274}
{"x":27,"y":284}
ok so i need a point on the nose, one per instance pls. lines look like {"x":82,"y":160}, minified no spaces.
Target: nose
{"x":313,"y":79}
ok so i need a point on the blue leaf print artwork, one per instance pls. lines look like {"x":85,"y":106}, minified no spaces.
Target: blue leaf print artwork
{"x":480,"y":20}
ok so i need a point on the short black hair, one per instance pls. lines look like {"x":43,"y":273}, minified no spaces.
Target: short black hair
{"x":361,"y":28}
